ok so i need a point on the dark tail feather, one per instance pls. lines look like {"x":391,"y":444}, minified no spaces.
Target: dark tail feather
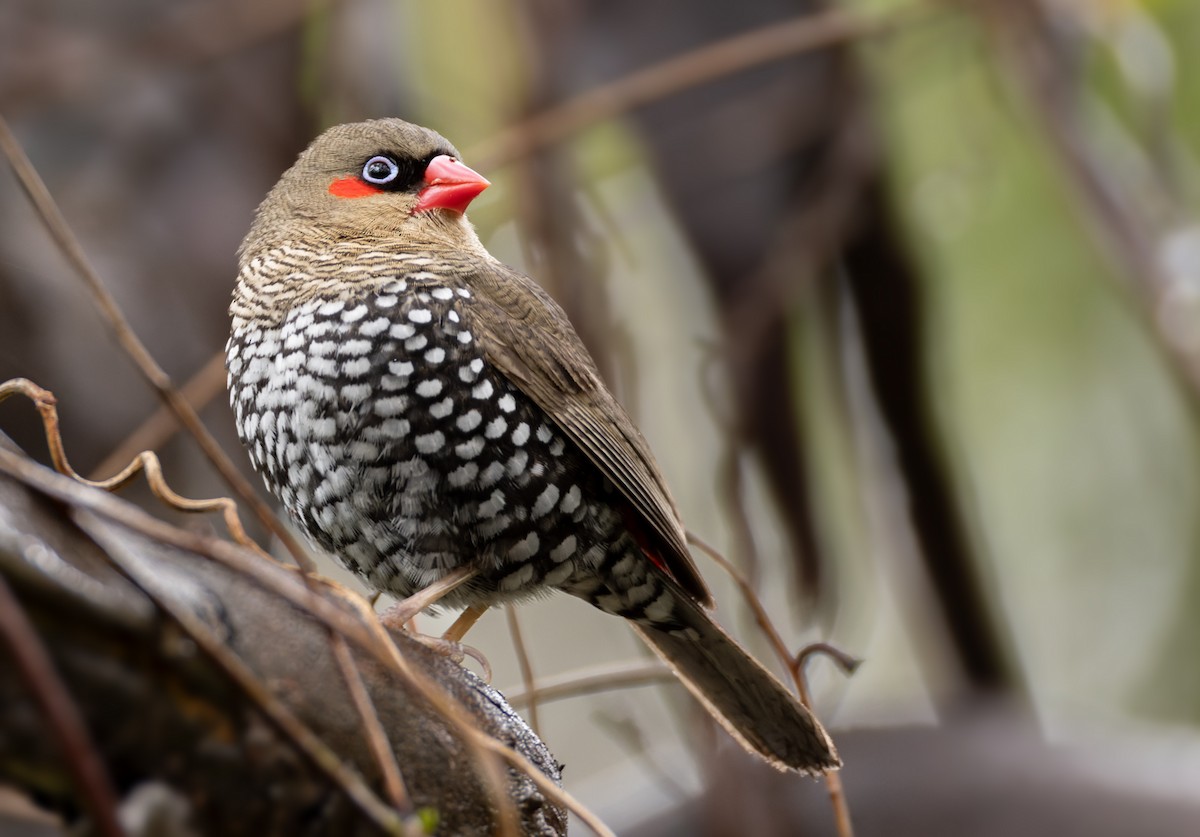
{"x":748,"y":701}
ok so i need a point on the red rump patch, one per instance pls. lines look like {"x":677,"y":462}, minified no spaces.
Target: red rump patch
{"x":635,"y":528}
{"x":352,"y":187}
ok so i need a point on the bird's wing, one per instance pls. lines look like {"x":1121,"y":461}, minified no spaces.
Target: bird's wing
{"x":528,"y":337}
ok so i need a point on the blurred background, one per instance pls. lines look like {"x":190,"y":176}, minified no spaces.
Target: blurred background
{"x":905,"y":296}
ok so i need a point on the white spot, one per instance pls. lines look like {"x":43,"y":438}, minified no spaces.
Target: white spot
{"x":395,"y":428}
{"x":364,"y":451}
{"x":386,"y":300}
{"x":415,"y":344}
{"x":430,"y":442}
{"x":524,"y":549}
{"x":517,"y":463}
{"x":322,"y":428}
{"x":392,"y":383}
{"x":355,"y":368}
{"x":492,"y":505}
{"x":464,"y":337}
{"x":545,"y":501}
{"x":356,"y":392}
{"x":564,"y":550}
{"x":470,"y":448}
{"x":392,"y":406}
{"x":331,"y":308}
{"x":453,"y":315}
{"x":482,"y":390}
{"x":570,"y":500}
{"x":519,"y":577}
{"x":354,"y":347}
{"x":420,"y":315}
{"x":495,"y":428}
{"x":507,"y":403}
{"x":442,"y":293}
{"x":521,"y":435}
{"x":469,"y":420}
{"x":491,"y":474}
{"x":375,"y":327}
{"x":443,"y":408}
{"x":464,"y":293}
{"x":401,"y":368}
{"x":354,"y":314}
{"x":559,"y":574}
{"x":463,"y":475}
{"x":396,"y":286}
{"x":430,"y":388}
{"x":557,"y":448}
{"x":402,"y":331}
{"x":544,"y":434}
{"x":660,"y":609}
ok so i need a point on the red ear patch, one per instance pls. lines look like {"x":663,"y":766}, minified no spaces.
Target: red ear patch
{"x":352,"y":187}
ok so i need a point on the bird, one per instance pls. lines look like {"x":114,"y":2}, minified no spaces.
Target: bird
{"x":418,"y":408}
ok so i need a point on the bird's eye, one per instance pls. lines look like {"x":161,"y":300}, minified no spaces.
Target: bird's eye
{"x":380,"y":170}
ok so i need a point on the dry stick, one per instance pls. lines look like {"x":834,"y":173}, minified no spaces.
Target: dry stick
{"x":66,"y":724}
{"x":833,"y":782}
{"x":160,"y":426}
{"x":713,"y":61}
{"x":318,"y":753}
{"x":368,"y":636}
{"x":514,"y":628}
{"x":154,"y":374}
{"x":1020,"y":38}
{"x":589,"y":681}
{"x":377,"y":738}
{"x":147,"y":462}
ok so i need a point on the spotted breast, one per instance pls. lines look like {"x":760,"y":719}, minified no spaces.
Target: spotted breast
{"x":378,"y":422}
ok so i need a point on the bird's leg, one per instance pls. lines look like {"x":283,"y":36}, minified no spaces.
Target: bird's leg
{"x":465,"y":621}
{"x":402,"y":611}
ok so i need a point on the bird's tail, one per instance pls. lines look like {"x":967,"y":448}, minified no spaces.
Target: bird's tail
{"x":749,"y":702}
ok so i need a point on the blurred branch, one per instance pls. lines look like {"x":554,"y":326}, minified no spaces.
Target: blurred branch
{"x":692,"y":69}
{"x":592,"y":680}
{"x":161,"y":425}
{"x":32,"y":660}
{"x":514,"y":628}
{"x":1024,"y":36}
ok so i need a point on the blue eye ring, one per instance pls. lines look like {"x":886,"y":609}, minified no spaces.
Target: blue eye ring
{"x":380,"y":170}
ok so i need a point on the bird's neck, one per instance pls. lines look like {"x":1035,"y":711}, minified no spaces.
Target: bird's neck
{"x":277,"y":273}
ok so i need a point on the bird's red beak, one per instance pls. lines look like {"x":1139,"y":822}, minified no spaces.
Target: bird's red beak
{"x":449,"y":184}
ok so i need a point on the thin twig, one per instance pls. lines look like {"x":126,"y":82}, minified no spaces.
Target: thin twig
{"x":373,"y":731}
{"x":160,"y":426}
{"x":514,"y":629}
{"x":146,"y":462}
{"x":592,"y":680}
{"x":36,"y":668}
{"x":710,"y":62}
{"x":107,"y":306}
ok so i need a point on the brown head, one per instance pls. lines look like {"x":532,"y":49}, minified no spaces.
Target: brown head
{"x":382,"y":179}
